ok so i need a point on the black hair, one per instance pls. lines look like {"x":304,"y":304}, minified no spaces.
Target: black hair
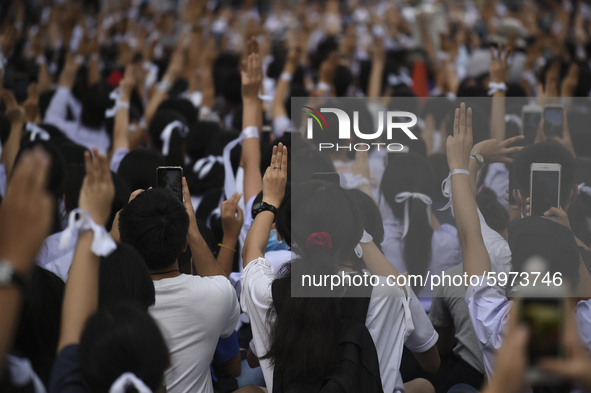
{"x":342,"y":80}
{"x":182,"y":106}
{"x":308,"y":162}
{"x":44,"y":101}
{"x":156,"y":224}
{"x":4,"y":129}
{"x":305,"y":330}
{"x":163,"y":118}
{"x":440,"y":167}
{"x":94,"y":104}
{"x":548,"y":153}
{"x":209,"y":239}
{"x":73,"y":185}
{"x":138,"y":168}
{"x":495,"y":214}
{"x":410,"y":172}
{"x":39,"y":326}
{"x":124,"y":276}
{"x":198,"y":137}
{"x":118,"y":339}
{"x":73,"y":153}
{"x":370,"y":214}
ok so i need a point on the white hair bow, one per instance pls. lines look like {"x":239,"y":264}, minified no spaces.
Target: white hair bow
{"x":116,"y":95}
{"x":120,"y":385}
{"x":22,"y":373}
{"x":167,"y":134}
{"x":102,"y":243}
{"x":406,"y":197}
{"x":583,"y":189}
{"x":35,"y":130}
{"x":204,"y":165}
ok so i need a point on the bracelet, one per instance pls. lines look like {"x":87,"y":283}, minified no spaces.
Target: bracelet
{"x":496,"y":87}
{"x":459,"y":172}
{"x":226,"y":247}
{"x":40,"y":60}
{"x":324,"y":87}
{"x":285,"y":76}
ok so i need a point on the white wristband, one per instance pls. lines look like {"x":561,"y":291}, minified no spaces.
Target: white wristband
{"x":285,"y":76}
{"x":102,"y":243}
{"x":40,"y":60}
{"x":250,"y":132}
{"x":164,"y":85}
{"x":496,"y":87}
{"x":459,"y":172}
{"x":324,"y":87}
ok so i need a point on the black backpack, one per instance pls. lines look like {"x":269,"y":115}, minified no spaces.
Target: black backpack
{"x":356,"y":367}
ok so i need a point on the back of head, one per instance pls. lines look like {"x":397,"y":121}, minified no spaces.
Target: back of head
{"x":326,"y":226}
{"x":182,"y":106}
{"x":159,"y":126}
{"x":124,"y":276}
{"x":198,"y":137}
{"x":119,"y":339}
{"x":552,"y":241}
{"x":94,"y":104}
{"x":138,"y":168}
{"x":411,"y":173}
{"x":42,"y":301}
{"x":547,"y":153}
{"x":156,"y":224}
{"x":440,"y":167}
{"x":495,"y":214}
{"x":307,"y":162}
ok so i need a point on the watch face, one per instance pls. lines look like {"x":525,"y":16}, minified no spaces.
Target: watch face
{"x":257,"y":206}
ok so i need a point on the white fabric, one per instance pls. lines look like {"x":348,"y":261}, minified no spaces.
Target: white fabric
{"x":167,"y":134}
{"x":389,"y":322}
{"x":3,"y":184}
{"x":102,"y":243}
{"x":583,"y":189}
{"x":446,"y":188}
{"x":229,"y":180}
{"x":496,"y":87}
{"x":281,"y":125}
{"x":204,"y":165}
{"x":406,"y":197}
{"x":22,"y":373}
{"x":75,"y":130}
{"x":120,"y":385}
{"x":35,"y":131}
{"x":116,"y":159}
{"x":52,"y":258}
{"x":497,"y":179}
{"x":193,"y":313}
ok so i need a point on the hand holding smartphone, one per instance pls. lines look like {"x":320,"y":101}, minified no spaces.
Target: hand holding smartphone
{"x":171,"y":177}
{"x":544,"y":191}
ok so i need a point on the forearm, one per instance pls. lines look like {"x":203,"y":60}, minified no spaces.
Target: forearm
{"x":251,"y":160}
{"x":497,"y":119}
{"x":81,"y":293}
{"x":204,"y":262}
{"x":11,"y":147}
{"x":376,"y":262}
{"x":208,"y":90}
{"x":281,"y":92}
{"x":155,"y":101}
{"x":375,"y":79}
{"x":121,"y":126}
{"x":475,"y":256}
{"x":258,"y":237}
{"x":10,"y":300}
{"x":94,"y":74}
{"x":226,"y":254}
{"x":43,"y":79}
{"x":473,"y":168}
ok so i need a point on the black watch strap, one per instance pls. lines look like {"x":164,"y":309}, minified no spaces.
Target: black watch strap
{"x":264,"y":206}
{"x":18,"y":280}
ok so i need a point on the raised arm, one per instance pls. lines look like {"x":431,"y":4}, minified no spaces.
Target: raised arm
{"x":498,"y":75}
{"x":121,"y":127}
{"x":377,"y":69}
{"x":16,"y":115}
{"x":273,"y":191}
{"x":251,"y":150}
{"x":57,"y":110}
{"x":291,"y":64}
{"x":81,"y":294}
{"x":203,"y":260}
{"x":475,"y":256}
{"x":25,"y":221}
{"x":232,"y":219}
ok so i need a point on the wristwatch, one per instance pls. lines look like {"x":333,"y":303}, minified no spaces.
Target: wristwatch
{"x":478,"y":157}
{"x":261,"y":207}
{"x":8,"y":276}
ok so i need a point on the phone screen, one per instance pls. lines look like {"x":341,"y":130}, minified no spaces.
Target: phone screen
{"x":531,"y":122}
{"x":544,"y":317}
{"x":171,"y":177}
{"x":545,"y":189}
{"x":331,"y":177}
{"x":553,"y":122}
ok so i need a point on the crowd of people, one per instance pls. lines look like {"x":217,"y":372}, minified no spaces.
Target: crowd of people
{"x":110,"y":282}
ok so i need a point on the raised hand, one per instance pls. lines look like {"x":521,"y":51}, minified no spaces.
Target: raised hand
{"x":128,"y":82}
{"x":98,"y":190}
{"x":276,"y":177}
{"x":498,"y":64}
{"x":232,"y":216}
{"x":68,"y":75}
{"x":26,"y":214}
{"x":459,"y":145}
{"x":494,"y":151}
{"x":31,"y":104}
{"x":252,"y":77}
{"x":14,"y":112}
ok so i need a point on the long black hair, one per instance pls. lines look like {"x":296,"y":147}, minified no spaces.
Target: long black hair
{"x":410,"y":172}
{"x":305,"y":330}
